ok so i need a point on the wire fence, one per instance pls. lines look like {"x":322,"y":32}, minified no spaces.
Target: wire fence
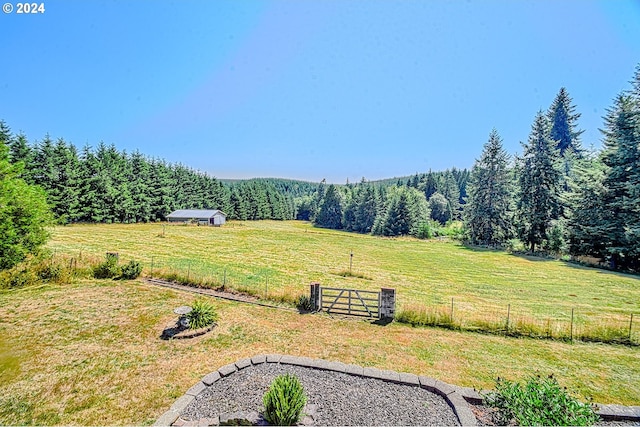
{"x":584,"y":323}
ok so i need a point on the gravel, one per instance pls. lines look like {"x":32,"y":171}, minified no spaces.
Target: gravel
{"x":340,"y":399}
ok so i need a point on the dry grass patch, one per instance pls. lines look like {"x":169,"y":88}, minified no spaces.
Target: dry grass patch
{"x":91,"y":353}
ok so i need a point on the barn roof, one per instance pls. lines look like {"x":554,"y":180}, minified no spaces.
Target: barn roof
{"x":194,"y":213}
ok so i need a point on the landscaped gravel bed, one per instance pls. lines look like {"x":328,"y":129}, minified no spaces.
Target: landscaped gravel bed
{"x":341,"y":399}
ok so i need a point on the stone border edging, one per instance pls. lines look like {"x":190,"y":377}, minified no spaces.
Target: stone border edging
{"x":451,"y":394}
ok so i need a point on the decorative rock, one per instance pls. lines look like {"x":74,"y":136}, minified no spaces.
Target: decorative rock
{"x":354,"y":370}
{"x":443,"y":389}
{"x":241,"y":419}
{"x":273,"y":358}
{"x":206,"y":422}
{"x":470,"y":395}
{"x":211,"y":378}
{"x":336,"y":366}
{"x":180,"y":404}
{"x":256,"y":360}
{"x":409,"y":378}
{"x":288,"y":360}
{"x":391,"y":376}
{"x":183,"y":310}
{"x":227,"y":370}
{"x":244,"y":363}
{"x":196,"y":389}
{"x":462,"y":410}
{"x":428,"y":383}
{"x":167,"y":418}
{"x":373,"y":373}
{"x":619,"y":412}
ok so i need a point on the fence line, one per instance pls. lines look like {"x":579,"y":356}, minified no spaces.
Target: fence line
{"x":564,"y":324}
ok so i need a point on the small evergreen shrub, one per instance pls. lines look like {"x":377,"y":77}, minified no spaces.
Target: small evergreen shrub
{"x":202,"y":314}
{"x":284,"y":401}
{"x":131,"y":270}
{"x":108,"y":269}
{"x":304,"y":303}
{"x":541,"y":401}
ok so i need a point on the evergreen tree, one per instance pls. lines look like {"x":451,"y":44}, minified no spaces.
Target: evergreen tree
{"x":367,"y":205}
{"x":487,"y":214}
{"x":620,"y":202}
{"x":330,"y":212}
{"x":585,"y":200}
{"x":405,"y":210}
{"x":539,"y":201}
{"x":563,"y":120}
{"x":24,"y":213}
{"x":64,"y":191}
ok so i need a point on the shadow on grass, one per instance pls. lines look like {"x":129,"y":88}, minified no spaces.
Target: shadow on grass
{"x":538,"y":257}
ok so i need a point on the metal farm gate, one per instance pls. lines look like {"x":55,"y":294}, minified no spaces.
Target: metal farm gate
{"x":350,"y":302}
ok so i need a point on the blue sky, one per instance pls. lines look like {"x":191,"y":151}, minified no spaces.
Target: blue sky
{"x":311,"y":89}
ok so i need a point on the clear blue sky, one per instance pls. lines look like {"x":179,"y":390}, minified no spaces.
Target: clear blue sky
{"x":311,"y":89}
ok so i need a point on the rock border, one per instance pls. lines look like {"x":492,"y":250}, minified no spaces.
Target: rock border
{"x":185,"y":333}
{"x":452,"y":395}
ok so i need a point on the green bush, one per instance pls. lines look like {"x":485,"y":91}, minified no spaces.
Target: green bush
{"x":541,"y":401}
{"x":284,"y":401}
{"x":304,"y":303}
{"x":131,"y":270}
{"x":202,"y":314}
{"x":108,"y":269}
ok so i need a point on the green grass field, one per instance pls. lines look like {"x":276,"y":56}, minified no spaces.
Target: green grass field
{"x":284,"y":257}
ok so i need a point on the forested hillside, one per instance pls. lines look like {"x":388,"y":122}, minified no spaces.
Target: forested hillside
{"x":556,"y":196}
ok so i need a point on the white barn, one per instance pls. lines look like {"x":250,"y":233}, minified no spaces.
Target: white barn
{"x":202,"y":216}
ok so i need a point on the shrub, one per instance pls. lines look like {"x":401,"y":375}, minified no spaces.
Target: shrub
{"x":108,"y":269}
{"x":304,"y":303}
{"x":284,"y":401}
{"x":202,"y":314}
{"x":131,"y":270}
{"x":541,"y":401}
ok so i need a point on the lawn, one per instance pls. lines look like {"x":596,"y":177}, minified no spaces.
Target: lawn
{"x":284,"y":257}
{"x":89,"y":353}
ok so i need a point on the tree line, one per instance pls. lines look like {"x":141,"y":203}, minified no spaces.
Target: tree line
{"x":558,"y":196}
{"x":392,"y":207}
{"x":106,"y":185}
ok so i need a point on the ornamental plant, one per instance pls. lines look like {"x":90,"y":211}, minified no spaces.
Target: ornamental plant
{"x":202,"y":314}
{"x":541,"y":401}
{"x":284,"y":401}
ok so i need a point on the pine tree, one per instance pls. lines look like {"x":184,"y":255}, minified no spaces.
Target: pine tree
{"x":487,"y":214}
{"x":585,"y":201}
{"x":367,"y":204}
{"x":539,"y":201}
{"x":563,"y":120}
{"x":620,"y":202}
{"x":330,"y":212}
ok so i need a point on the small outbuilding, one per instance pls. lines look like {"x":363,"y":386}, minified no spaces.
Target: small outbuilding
{"x":201,"y":216}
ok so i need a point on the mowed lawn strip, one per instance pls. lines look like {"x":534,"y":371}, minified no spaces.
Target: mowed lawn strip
{"x":288,"y":255}
{"x":90,"y":353}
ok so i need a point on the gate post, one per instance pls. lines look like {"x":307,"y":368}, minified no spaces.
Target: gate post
{"x":315,"y":296}
{"x":387,"y":308}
